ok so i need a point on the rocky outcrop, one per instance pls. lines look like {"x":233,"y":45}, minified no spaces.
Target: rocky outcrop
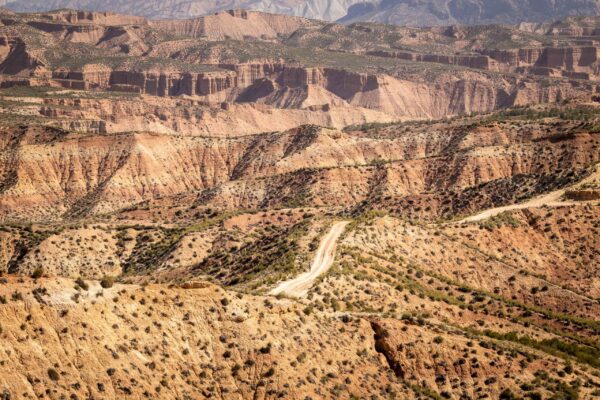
{"x":342,"y":83}
{"x":155,"y":83}
{"x":173,"y":84}
{"x":4,"y":48}
{"x":91,"y":76}
{"x":178,"y":116}
{"x":72,"y":33}
{"x":18,"y":58}
{"x":125,"y":40}
{"x":151,"y":83}
{"x":109,"y":172}
{"x":563,"y":59}
{"x":101,"y":165}
{"x":248,"y":73}
{"x":96,"y":18}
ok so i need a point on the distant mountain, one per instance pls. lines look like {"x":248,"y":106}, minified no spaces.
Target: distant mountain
{"x":162,"y":9}
{"x":400,"y":12}
{"x":468,"y":12}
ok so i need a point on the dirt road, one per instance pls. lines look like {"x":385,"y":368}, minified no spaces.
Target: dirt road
{"x":299,"y":286}
{"x":552,"y":199}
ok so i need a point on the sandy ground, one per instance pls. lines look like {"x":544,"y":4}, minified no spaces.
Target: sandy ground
{"x":299,"y":286}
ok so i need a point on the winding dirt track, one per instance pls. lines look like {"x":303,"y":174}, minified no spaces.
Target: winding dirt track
{"x":552,"y":199}
{"x":299,"y":286}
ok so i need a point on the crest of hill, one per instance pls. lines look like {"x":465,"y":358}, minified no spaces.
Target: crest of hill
{"x":6,"y":11}
{"x":235,"y":24}
{"x":78,"y":17}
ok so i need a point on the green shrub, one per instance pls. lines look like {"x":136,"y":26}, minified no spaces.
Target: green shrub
{"x":107,"y":282}
{"x":53,"y":375}
{"x":82,"y":284}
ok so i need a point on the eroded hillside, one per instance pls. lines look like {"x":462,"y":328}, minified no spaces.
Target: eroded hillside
{"x":291,"y":63}
{"x":158,"y":180}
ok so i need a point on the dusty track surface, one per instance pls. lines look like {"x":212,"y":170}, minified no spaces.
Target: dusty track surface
{"x":298,"y":287}
{"x":552,"y":199}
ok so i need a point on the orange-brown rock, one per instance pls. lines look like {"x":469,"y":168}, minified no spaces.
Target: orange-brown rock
{"x":87,"y":17}
{"x":569,"y":59}
{"x":234,"y":24}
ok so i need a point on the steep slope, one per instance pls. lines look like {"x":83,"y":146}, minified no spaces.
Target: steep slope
{"x":414,"y":169}
{"x":201,"y":342}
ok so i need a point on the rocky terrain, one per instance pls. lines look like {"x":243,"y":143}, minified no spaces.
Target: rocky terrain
{"x":288,"y":63}
{"x":161,"y":181}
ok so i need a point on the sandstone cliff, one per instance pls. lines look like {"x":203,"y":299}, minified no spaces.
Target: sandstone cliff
{"x":95,"y":18}
{"x":567,"y":59}
{"x":286,"y":86}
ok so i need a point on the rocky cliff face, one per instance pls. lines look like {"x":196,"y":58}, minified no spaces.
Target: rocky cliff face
{"x":264,"y":61}
{"x":448,"y":94}
{"x":15,"y":57}
{"x":567,"y":59}
{"x":93,"y":18}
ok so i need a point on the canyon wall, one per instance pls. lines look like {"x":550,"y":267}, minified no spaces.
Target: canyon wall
{"x":274,"y":83}
{"x":91,"y":17}
{"x":577,"y":62}
{"x":15,"y":58}
{"x":566,"y":59}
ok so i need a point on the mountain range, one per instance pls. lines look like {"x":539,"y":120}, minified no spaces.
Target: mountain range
{"x":399,"y":12}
